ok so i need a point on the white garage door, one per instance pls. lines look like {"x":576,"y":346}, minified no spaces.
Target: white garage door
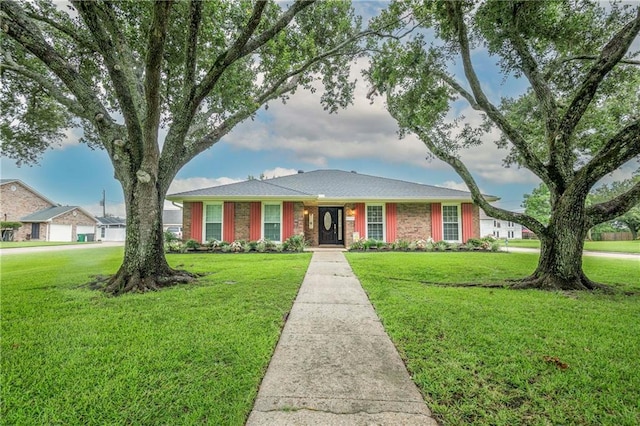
{"x":60,"y":233}
{"x":84,"y":229}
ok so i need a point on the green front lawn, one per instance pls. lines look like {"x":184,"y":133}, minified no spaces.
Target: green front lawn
{"x":606,"y":246}
{"x":492,"y":356}
{"x":193,"y":354}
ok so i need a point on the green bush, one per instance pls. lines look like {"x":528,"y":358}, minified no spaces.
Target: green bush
{"x":295,"y":243}
{"x":170,"y":237}
{"x":191,"y":244}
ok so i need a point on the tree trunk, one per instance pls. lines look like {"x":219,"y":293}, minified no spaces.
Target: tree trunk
{"x":561,"y":247}
{"x":144,"y":267}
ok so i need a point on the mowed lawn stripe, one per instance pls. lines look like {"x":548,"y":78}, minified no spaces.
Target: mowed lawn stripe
{"x":191,"y":354}
{"x":493,"y":356}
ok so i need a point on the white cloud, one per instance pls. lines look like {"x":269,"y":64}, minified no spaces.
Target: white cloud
{"x":278,"y":172}
{"x":71,"y":138}
{"x":461,"y":186}
{"x":364,"y":131}
{"x":311,"y":135}
{"x":190,"y":184}
{"x":115,"y":209}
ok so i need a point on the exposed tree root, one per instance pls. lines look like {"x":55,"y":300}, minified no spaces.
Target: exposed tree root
{"x":551,"y":282}
{"x":123,"y":282}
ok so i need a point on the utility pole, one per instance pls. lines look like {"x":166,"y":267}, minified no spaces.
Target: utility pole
{"x":104,"y":204}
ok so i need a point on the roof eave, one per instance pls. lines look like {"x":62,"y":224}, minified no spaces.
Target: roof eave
{"x":321,"y":199}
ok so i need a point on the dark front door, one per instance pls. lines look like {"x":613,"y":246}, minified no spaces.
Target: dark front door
{"x":331,"y":225}
{"x":35,"y":231}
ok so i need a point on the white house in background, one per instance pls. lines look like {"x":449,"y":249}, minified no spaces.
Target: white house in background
{"x":171,"y":218}
{"x":112,"y":229}
{"x":499,"y":228}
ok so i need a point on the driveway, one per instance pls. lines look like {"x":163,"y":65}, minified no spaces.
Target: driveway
{"x":43,"y":249}
{"x":610,"y":255}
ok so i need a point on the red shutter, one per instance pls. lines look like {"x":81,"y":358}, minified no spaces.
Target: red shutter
{"x":436,"y":221}
{"x":391,"y":211}
{"x":287,"y":220}
{"x":467,"y":221}
{"x":360,"y":225}
{"x":255,"y":221}
{"x":196,"y":221}
{"x":229,"y":225}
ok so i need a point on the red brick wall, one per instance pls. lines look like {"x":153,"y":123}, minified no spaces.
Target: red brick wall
{"x":311,"y":235}
{"x":20,"y":203}
{"x":298,"y":218}
{"x":242,"y":221}
{"x":413,"y":221}
{"x":186,"y":219}
{"x":476,"y":221}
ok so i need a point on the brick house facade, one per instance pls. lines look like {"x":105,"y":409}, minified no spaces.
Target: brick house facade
{"x":41,"y":216}
{"x":317,"y":205}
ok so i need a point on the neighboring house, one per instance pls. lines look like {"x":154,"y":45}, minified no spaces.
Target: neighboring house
{"x":499,"y":228}
{"x":111,"y":229}
{"x":42,"y":218}
{"x":171,"y":218}
{"x":330,"y":207}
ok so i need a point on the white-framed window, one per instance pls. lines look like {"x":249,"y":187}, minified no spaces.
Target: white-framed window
{"x":212,"y":222}
{"x":375,"y":222}
{"x":451,"y":222}
{"x":511,"y":234}
{"x":271,"y":221}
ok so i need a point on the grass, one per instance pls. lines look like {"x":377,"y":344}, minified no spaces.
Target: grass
{"x":606,"y":246}
{"x":18,"y":244}
{"x":492,"y":356}
{"x":193,"y":354}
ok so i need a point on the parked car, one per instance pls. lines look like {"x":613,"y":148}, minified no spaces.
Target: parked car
{"x":175,"y":230}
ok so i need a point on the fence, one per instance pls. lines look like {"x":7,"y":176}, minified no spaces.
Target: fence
{"x":611,"y":236}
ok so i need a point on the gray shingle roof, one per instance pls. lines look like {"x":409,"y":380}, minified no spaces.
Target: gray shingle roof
{"x":111,"y":220}
{"x":47,"y":214}
{"x":328,"y":185}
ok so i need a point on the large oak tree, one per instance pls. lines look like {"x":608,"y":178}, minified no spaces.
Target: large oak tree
{"x":125,"y":70}
{"x":578,"y":121}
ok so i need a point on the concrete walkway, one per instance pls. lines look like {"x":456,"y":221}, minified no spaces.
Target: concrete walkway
{"x":334,"y":363}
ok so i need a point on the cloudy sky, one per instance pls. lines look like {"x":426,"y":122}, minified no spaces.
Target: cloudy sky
{"x":285,"y":138}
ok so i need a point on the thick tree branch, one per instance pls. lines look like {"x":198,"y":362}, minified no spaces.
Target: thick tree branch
{"x":529,"y":66}
{"x":18,"y":27}
{"x":244,"y":45}
{"x":284,"y":20}
{"x":613,"y":208}
{"x":47,"y":84}
{"x":611,"y":54}
{"x":94,"y":16}
{"x":228,"y":57}
{"x":195,"y":18}
{"x":153,"y":72}
{"x":529,"y":158}
{"x":72,"y":33}
{"x":476,"y":195}
{"x":621,"y":148}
